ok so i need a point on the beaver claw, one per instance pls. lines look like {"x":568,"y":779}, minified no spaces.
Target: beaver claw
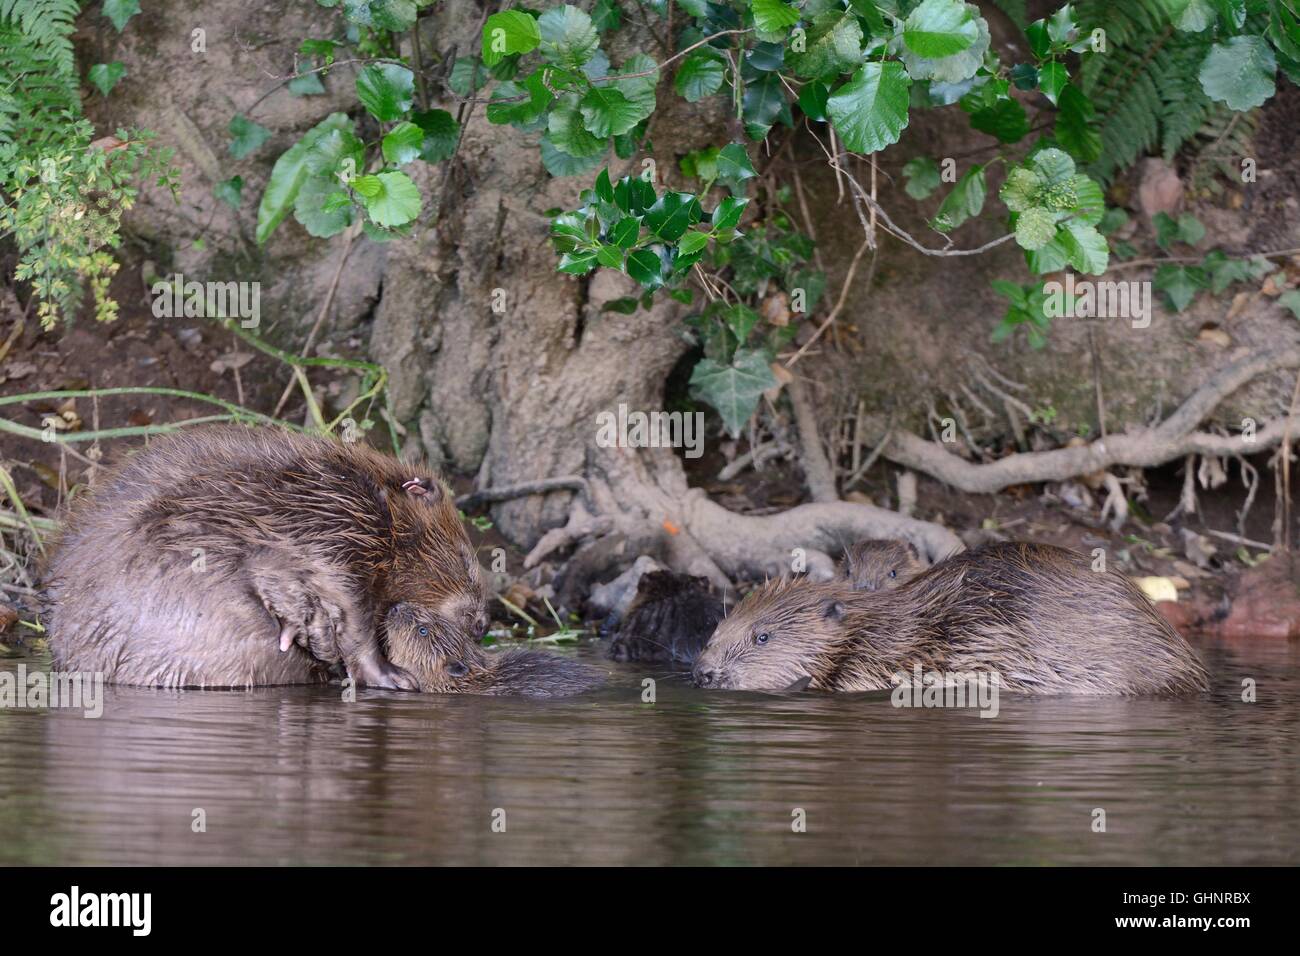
{"x":381,"y":673}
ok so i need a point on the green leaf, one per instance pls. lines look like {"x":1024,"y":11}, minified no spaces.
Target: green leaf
{"x":468,"y":74}
{"x":1074,"y":129}
{"x":1024,"y":76}
{"x":230,"y":191}
{"x":834,"y":45}
{"x":1035,"y":228}
{"x":320,"y":215}
{"x":394,"y":15}
{"x":1052,"y":79}
{"x":734,"y":165}
{"x":956,"y":68}
{"x":525,"y":112}
{"x":671,"y":215}
{"x":104,"y":76}
{"x":568,"y":131}
{"x":386,"y":90}
{"x":939,"y":28}
{"x":763,"y":103}
{"x":1239,"y":72}
{"x":402,"y":143}
{"x":634,"y":195}
{"x":1179,"y":284}
{"x":1020,"y":190}
{"x":331,"y":148}
{"x":1006,"y":120}
{"x":1191,"y":16}
{"x":701,"y":74}
{"x":735,"y":389}
{"x":247,"y":136}
{"x":773,"y":16}
{"x":965,"y":200}
{"x":577,"y":263}
{"x":506,"y":33}
{"x":812,"y":100}
{"x":646,"y":267}
{"x":1085,"y":247}
{"x":1290,"y":300}
{"x":922,"y":175}
{"x":606,"y":111}
{"x":610,"y":256}
{"x":391,"y":199}
{"x":288,"y":174}
{"x":308,"y":84}
{"x":568,"y":37}
{"x":728,"y":212}
{"x":441,"y":133}
{"x":870,"y":111}
{"x":692,"y":242}
{"x":120,"y":11}
{"x":625,"y":231}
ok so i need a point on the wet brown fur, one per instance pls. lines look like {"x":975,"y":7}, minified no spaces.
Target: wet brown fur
{"x":447,"y":663}
{"x":669,"y":620}
{"x":1037,"y":615}
{"x":878,"y":564}
{"x":296,"y":534}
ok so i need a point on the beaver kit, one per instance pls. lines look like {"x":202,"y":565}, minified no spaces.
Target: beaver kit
{"x":235,"y":557}
{"x":1036,"y":616}
{"x":669,"y":621}
{"x":877,"y":564}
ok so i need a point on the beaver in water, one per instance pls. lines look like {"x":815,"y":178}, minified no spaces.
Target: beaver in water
{"x":669,"y":621}
{"x":878,"y":564}
{"x":235,"y":557}
{"x":1036,"y":616}
{"x":445,"y":662}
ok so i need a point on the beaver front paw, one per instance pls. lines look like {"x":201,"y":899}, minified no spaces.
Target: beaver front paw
{"x":379,"y":672}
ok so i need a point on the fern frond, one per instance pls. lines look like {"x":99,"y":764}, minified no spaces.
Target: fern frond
{"x":38,"y":98}
{"x":47,"y":24}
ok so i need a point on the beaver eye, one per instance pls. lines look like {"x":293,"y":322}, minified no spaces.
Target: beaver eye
{"x":762,"y":638}
{"x":423,"y":631}
{"x":457,"y":669}
{"x":893,"y":574}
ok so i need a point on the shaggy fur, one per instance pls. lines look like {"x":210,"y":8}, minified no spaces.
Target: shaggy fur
{"x":877,"y":564}
{"x":204,"y":553}
{"x":669,"y":620}
{"x":1037,"y":616}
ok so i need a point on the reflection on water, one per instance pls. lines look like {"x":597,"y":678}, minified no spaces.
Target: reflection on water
{"x":295,"y":775}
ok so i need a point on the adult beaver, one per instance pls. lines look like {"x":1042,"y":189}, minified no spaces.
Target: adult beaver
{"x":1036,"y":616}
{"x":444,"y":662}
{"x":669,"y":621}
{"x":235,"y":557}
{"x":878,"y":564}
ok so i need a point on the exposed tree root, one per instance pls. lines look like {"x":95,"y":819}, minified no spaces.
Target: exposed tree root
{"x":1173,"y":438}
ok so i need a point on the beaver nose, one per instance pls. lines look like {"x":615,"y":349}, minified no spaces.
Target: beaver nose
{"x":481,"y":624}
{"x":705,"y":678}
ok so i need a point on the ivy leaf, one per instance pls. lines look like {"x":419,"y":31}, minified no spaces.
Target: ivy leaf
{"x":700,"y":75}
{"x":965,"y":200}
{"x":120,"y":11}
{"x":1179,"y":284}
{"x":104,"y":76}
{"x":671,"y":215}
{"x":402,"y":143}
{"x":230,"y":191}
{"x":1005,"y":120}
{"x":391,"y":199}
{"x":870,"y":111}
{"x":939,"y":28}
{"x":386,"y":90}
{"x":1085,"y":247}
{"x":568,"y":37}
{"x":507,"y":33}
{"x":922,"y":175}
{"x":1239,"y":72}
{"x":1186,"y":228}
{"x":735,"y":389}
{"x":247,"y":136}
{"x":1052,"y":79}
{"x":763,"y":103}
{"x":773,"y":16}
{"x":441,"y":133}
{"x":606,"y":111}
{"x":288,"y":175}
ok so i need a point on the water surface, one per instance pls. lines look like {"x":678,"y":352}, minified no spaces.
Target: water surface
{"x":298,"y":776}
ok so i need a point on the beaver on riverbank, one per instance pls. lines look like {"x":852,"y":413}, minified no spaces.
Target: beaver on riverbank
{"x":1037,"y":616}
{"x":669,"y":621}
{"x":447,"y":663}
{"x":236,"y":557}
{"x":878,"y":564}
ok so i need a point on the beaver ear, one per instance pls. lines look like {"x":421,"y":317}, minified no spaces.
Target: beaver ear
{"x":911,"y":549}
{"x":423,"y":488}
{"x":834,"y":611}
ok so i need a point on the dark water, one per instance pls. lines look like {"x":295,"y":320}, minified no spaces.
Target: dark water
{"x":296,"y":775}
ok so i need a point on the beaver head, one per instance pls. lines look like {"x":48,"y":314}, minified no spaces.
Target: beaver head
{"x":877,"y":564}
{"x":783,"y":635}
{"x":444,"y":661}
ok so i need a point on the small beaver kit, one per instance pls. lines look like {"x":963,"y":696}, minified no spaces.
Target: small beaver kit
{"x":237,"y":557}
{"x":669,"y":621}
{"x":1038,"y":617}
{"x":878,"y":564}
